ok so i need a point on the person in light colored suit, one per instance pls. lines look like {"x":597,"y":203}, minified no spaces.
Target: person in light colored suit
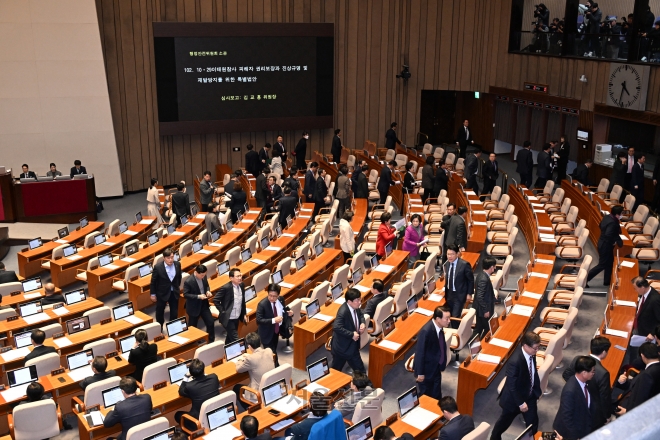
{"x":257,"y":362}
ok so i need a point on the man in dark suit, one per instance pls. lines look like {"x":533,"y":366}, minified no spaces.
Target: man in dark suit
{"x":279,"y":147}
{"x":581,"y":172}
{"x":230,"y":302}
{"x":618,"y":176}
{"x":431,"y":353}
{"x":472,"y":170}
{"x":522,"y":388}
{"x":261,"y":191}
{"x":490,"y":173}
{"x":385,"y":180}
{"x":441,"y":178}
{"x":563,"y":151}
{"x":207,"y":191}
{"x":577,"y":402}
{"x":27,"y":174}
{"x":38,"y":337}
{"x":198,"y":387}
{"x":50,"y":297}
{"x":637,"y":180}
{"x":250,"y":428}
{"x":378,"y":295}
{"x":647,"y":316}
{"x":275,"y":190}
{"x":319,"y":408}
{"x":610,"y":231}
{"x":599,"y":385}
{"x":287,"y":206}
{"x":264,"y":155}
{"x":77,"y":168}
{"x":301,"y":151}
{"x":630,"y":163}
{"x":292,"y":180}
{"x":270,"y":315}
{"x":484,"y":296}
{"x":252,"y":161}
{"x":347,"y":328}
{"x":390,"y":137}
{"x":229,"y":187}
{"x":645,"y":385}
{"x":7,"y":276}
{"x":459,"y":285}
{"x":428,"y":176}
{"x":456,"y":233}
{"x":457,"y":425}
{"x":335,"y":150}
{"x":180,"y":202}
{"x":525,"y":164}
{"x":132,"y":411}
{"x":655,"y":205}
{"x":446,"y":222}
{"x":99,"y":367}
{"x":165,"y":286}
{"x":310,"y":181}
{"x":464,"y":138}
{"x":197,"y":293}
{"x":543,"y":166}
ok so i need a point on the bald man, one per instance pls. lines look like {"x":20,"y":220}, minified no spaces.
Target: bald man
{"x":51,"y":297}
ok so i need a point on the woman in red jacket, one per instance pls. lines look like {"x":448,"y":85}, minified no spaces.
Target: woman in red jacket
{"x":386,"y":234}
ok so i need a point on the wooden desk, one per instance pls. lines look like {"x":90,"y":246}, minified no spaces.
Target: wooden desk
{"x":589,"y":211}
{"x":454,"y":187}
{"x":12,"y":301}
{"x":360,"y":213}
{"x":479,"y":374}
{"x":29,"y":261}
{"x":428,"y":403}
{"x":396,"y":191}
{"x":63,"y":271}
{"x":313,"y":333}
{"x":477,"y":220}
{"x":60,"y":201}
{"x":381,"y":359}
{"x":532,"y":220}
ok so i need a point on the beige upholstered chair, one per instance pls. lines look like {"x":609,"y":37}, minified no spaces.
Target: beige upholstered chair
{"x":146,"y":429}
{"x":157,"y":372}
{"x":98,"y":314}
{"x":101,"y":347}
{"x":45,"y":363}
{"x":35,"y":420}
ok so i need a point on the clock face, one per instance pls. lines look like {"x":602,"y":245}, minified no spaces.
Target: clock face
{"x":625,"y":86}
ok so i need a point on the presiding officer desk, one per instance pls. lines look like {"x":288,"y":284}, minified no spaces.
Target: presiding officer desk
{"x":313,"y":333}
{"x":29,"y":261}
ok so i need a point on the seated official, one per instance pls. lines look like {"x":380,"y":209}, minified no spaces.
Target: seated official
{"x":638,"y":364}
{"x":7,"y":276}
{"x":319,"y":405}
{"x":27,"y":174}
{"x":77,"y":168}
{"x":50,"y":296}
{"x":211,"y":219}
{"x":132,"y":411}
{"x":360,"y":388}
{"x":379,"y":294}
{"x":53,"y":171}
{"x":457,"y":425}
{"x":257,"y":362}
{"x":386,"y":433}
{"x":198,"y":387}
{"x":250,"y":429}
{"x":99,"y":366}
{"x":645,"y":385}
{"x":38,"y":337}
{"x":142,"y":354}
{"x":34,"y":393}
{"x":237,"y":202}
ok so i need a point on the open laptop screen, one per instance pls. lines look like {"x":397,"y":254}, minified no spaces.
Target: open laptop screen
{"x":122,"y":310}
{"x":177,"y":372}
{"x":411,"y":304}
{"x":246,"y":255}
{"x":250,"y":293}
{"x":123,"y":227}
{"x":336,"y":291}
{"x":318,"y":249}
{"x":34,"y":243}
{"x":105,"y":259}
{"x":177,"y":326}
{"x":318,"y":369}
{"x":277,"y":277}
{"x":171,"y":229}
{"x":221,"y":416}
{"x":99,"y":239}
{"x":235,"y":349}
{"x":300,"y":262}
{"x":74,"y":297}
{"x":223,"y":267}
{"x":61,"y":233}
{"x":126,"y":344}
{"x":194,"y":210}
{"x":274,"y":392}
{"x":30,"y":308}
{"x":131,"y":249}
{"x":388,"y":249}
{"x":80,"y":359}
{"x":138,"y":217}
{"x":493,"y":324}
{"x":197,"y":246}
{"x":229,"y":225}
{"x":387,"y":325}
{"x":360,"y":431}
{"x":265,"y":242}
{"x":22,"y":339}
{"x":312,"y":308}
{"x":83,"y":222}
{"x":184,"y":220}
{"x":77,"y":325}
{"x":374,"y":261}
{"x":357,"y":275}
{"x":31,"y":284}
{"x":144,"y":270}
{"x":22,"y":376}
{"x":111,"y":396}
{"x":408,"y":401}
{"x":153,"y":239}
{"x":215,"y":234}
{"x":70,"y":250}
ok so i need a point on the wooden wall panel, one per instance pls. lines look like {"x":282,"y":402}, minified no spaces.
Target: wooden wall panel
{"x":449,"y":45}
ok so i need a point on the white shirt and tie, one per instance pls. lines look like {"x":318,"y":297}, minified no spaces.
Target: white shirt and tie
{"x":530,"y":366}
{"x":238,"y":302}
{"x":585,"y":391}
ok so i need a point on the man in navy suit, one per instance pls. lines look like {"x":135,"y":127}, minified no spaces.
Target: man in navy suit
{"x":77,"y":168}
{"x":522,"y":388}
{"x":197,"y":293}
{"x":573,"y":419}
{"x":431,"y":353}
{"x":336,"y":147}
{"x":347,"y":328}
{"x":165,"y":286}
{"x":525,"y":164}
{"x":457,"y":425}
{"x":385,"y":180}
{"x":270,"y":314}
{"x":132,"y":411}
{"x":637,"y":180}
{"x":38,"y":337}
{"x":646,"y":384}
{"x":198,"y":387}
{"x":230,"y":302}
{"x":610,"y":234}
{"x":459,"y":282}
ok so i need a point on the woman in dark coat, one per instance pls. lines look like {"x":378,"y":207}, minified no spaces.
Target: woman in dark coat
{"x":142,"y":355}
{"x":320,"y":192}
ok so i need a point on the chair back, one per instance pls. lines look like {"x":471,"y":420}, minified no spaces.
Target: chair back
{"x":94,"y":392}
{"x":373,"y":176}
{"x":282,"y":372}
{"x":616,"y":192}
{"x":580,"y":226}
{"x":7,"y":313}
{"x":340,"y":275}
{"x":401,"y":295}
{"x":504,"y":202}
{"x":93,"y":263}
{"x":508,"y":213}
{"x":350,"y":162}
{"x":506,"y":269}
{"x":261,"y":280}
{"x":383,"y":310}
{"x":496,"y":281}
{"x":101,"y":347}
{"x":89,"y":239}
{"x":586,"y":263}
{"x":512,"y":238}
{"x":210,"y":352}
{"x":370,"y":406}
{"x":629,"y":202}
{"x":185,"y":248}
{"x":549,"y":186}
{"x":569,"y":324}
{"x":603,"y":185}
{"x":460,"y":164}
{"x":390,"y":155}
{"x":326,"y":229}
{"x":157,"y":372}
{"x":51,"y":329}
{"x":211,"y":267}
{"x":36,"y":420}
{"x":146,"y":429}
{"x":113,"y":228}
{"x":556,"y":347}
{"x":313,"y":239}
{"x":215,"y":403}
{"x":303,"y":249}
{"x":184,"y":277}
{"x":204,"y":237}
{"x":451,"y":159}
{"x":358,"y":261}
{"x":429,"y":266}
{"x":133,"y":271}
{"x":98,"y":314}
{"x":583,"y":238}
{"x":439,"y":153}
{"x":233,"y":255}
{"x":296,"y":306}
{"x":479,"y":433}
{"x":558,"y":196}
{"x":641,"y":213}
{"x":417,"y":279}
{"x":565,"y":205}
{"x":465,"y":328}
{"x":285,"y":266}
{"x":6,"y":289}
{"x":581,"y":280}
{"x":152,"y":329}
{"x":427,"y":149}
{"x":158,"y":259}
{"x":320,"y":292}
{"x":401,"y":159}
{"x":45,"y":363}
{"x":58,"y":252}
{"x":544,"y":371}
{"x":263,"y":232}
{"x":651,"y":226}
{"x":512,"y":223}
{"x":571,"y":217}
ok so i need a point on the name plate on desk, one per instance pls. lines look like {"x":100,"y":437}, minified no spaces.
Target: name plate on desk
{"x":5,"y":349}
{"x":57,"y":371}
{"x":96,"y":407}
{"x":160,"y":385}
{"x":197,"y":434}
{"x":58,"y":335}
{"x":16,"y":293}
{"x":57,"y":306}
{"x":12,"y":318}
{"x":106,"y":321}
{"x":217,"y":362}
{"x":111,"y":354}
{"x":159,"y":338}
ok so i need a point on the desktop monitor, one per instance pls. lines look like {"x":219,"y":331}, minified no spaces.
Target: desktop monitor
{"x":145,"y":270}
{"x":277,"y":277}
{"x":300,"y":262}
{"x":318,"y":369}
{"x":357,"y":276}
{"x":166,"y":434}
{"x":35,"y":243}
{"x":21,"y":376}
{"x":215,"y":234}
{"x":221,"y":416}
{"x":22,"y":339}
{"x":61,"y":233}
{"x":336,"y":291}
{"x":360,"y":431}
{"x":123,"y":227}
{"x":223,"y":267}
{"x":111,"y":396}
{"x":177,"y":326}
{"x":265,"y":242}
{"x":138,"y":217}
{"x":246,"y":254}
{"x":235,"y":349}
{"x":29,"y":308}
{"x":197,"y":246}
{"x":98,"y":239}
{"x":408,"y":401}
{"x":178,"y":372}
{"x":153,"y":239}
{"x":274,"y":392}
{"x":31,"y":284}
{"x":131,"y":249}
{"x":80,"y":359}
{"x":83,"y":222}
{"x":250,"y":293}
{"x":77,"y":325}
{"x":387,"y":325}
{"x":122,"y":310}
{"x":74,"y":297}
{"x":70,"y":250}
{"x":126,"y":344}
{"x":105,"y":259}
{"x":312,"y":308}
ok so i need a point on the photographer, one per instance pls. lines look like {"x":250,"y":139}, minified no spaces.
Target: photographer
{"x":654,"y":37}
{"x":556,"y":35}
{"x":542,"y":13}
{"x":613,"y":39}
{"x":592,"y":18}
{"x":540,"y":39}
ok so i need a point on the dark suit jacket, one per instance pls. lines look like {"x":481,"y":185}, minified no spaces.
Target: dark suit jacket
{"x":637,"y":179}
{"x":264,"y":436}
{"x":252,"y":162}
{"x":618,"y":176}
{"x":191,"y":292}
{"x":649,"y":314}
{"x":229,"y":188}
{"x":543,"y":169}
{"x":237,"y":204}
{"x":52,"y":299}
{"x":391,"y":140}
{"x":320,"y":191}
{"x":279,"y":148}
{"x":40,"y":351}
{"x":490,"y":171}
{"x":362,"y":187}
{"x":385,"y":179}
{"x":161,"y":286}
{"x":463,"y":139}
{"x":277,"y":192}
{"x":573,"y":419}
{"x":130,"y":412}
{"x":292,"y":183}
{"x":427,"y":177}
{"x":310,"y":184}
{"x":408,"y":183}
{"x":263,"y":155}
{"x":517,"y":386}
{"x":427,"y":352}
{"x":457,"y":428}
{"x":484,"y":298}
{"x":142,"y":358}
{"x":610,"y":230}
{"x":265,"y":317}
{"x":261,"y":187}
{"x":206,"y":190}
{"x":8,"y":276}
{"x":336,"y":146}
{"x":457,"y":232}
{"x":29,"y":175}
{"x":75,"y":171}
{"x":563,"y":150}
{"x":199,"y":390}
{"x":343,"y":328}
{"x":601,"y":391}
{"x":180,"y":204}
{"x":224,"y":302}
{"x":581,"y":173}
{"x":441,"y":180}
{"x":97,"y":378}
{"x":463,"y":278}
{"x":287,"y":207}
{"x":301,"y":430}
{"x":525,"y":161}
{"x":471,"y":165}
{"x":370,"y":308}
{"x":301,"y":149}
{"x":643,"y":387}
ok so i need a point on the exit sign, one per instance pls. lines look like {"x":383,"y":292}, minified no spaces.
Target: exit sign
{"x":542,"y":88}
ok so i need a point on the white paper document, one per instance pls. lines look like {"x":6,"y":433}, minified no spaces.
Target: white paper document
{"x":435,"y":297}
{"x":389,"y":344}
{"x":540,"y":211}
{"x":306,"y":209}
{"x":623,"y":237}
{"x":470,"y":193}
{"x":340,"y":300}
{"x":61,"y":311}
{"x":97,"y":418}
{"x":219,"y":245}
{"x":627,"y":264}
{"x":257,"y":261}
{"x":619,"y":302}
{"x":538,"y":275}
{"x":316,"y":387}
{"x":178,"y":233}
{"x":363,"y":289}
{"x":37,"y":317}
{"x":178,"y":339}
{"x":637,"y":340}
{"x":322,"y":317}
{"x":204,"y":252}
{"x":548,"y":240}
{"x":247,"y":220}
{"x":132,"y":319}
{"x":519,"y":309}
{"x":80,"y":373}
{"x":474,"y":202}
{"x":61,"y":241}
{"x":532,"y":198}
{"x":479,"y":223}
{"x":110,"y":267}
{"x":14,"y":393}
{"x":542,"y":261}
{"x":287,"y":285}
{"x":532,"y":295}
{"x":550,"y":236}
{"x":128,"y":259}
{"x":501,"y":343}
{"x":76,"y":256}
{"x":32,"y":295}
{"x":304,"y":216}
{"x":201,"y":216}
{"x":105,"y":243}
{"x":237,"y":230}
{"x":479,"y":212}
{"x":423,"y":311}
{"x":129,"y":232}
{"x":420,"y":418}
{"x":226,"y":432}
{"x":273,"y":248}
{"x":537,"y":205}
{"x":489,"y":358}
{"x":193,"y":224}
{"x":618,"y":333}
{"x":15,"y":354}
{"x":384,"y":268}
{"x":545,"y":228}
{"x":146,"y":222}
{"x":62,"y":342}
{"x":289,"y":404}
{"x":286,"y":234}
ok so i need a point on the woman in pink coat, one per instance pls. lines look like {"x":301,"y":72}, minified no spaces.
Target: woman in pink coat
{"x":413,"y":239}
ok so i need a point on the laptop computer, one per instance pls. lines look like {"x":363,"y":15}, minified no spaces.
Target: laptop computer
{"x":145,"y":270}
{"x":194,"y":210}
{"x":70,"y":250}
{"x":300,"y":262}
{"x":246,"y":254}
{"x":105,"y":259}
{"x":22,"y":339}
{"x":221,"y":416}
{"x":411,"y":304}
{"x":246,"y":207}
{"x":21,"y":376}
{"x":408,"y":401}
{"x":99,"y":239}
{"x":360,"y":431}
{"x":61,"y":233}
{"x":318,"y":369}
{"x":312,"y":308}
{"x":197,"y":246}
{"x":152,"y":239}
{"x":336,"y":291}
{"x":475,"y":346}
{"x":177,"y":326}
{"x":80,"y":359}
{"x":31,"y":284}
{"x":278,"y":231}
{"x":357,"y":276}
{"x":387,"y":325}
{"x":83,"y":222}
{"x":126,"y":344}
{"x":80,"y":176}
{"x":215,"y":234}
{"x":111,"y":396}
{"x":508,"y":303}
{"x":138,"y":217}
{"x":184,"y":220}
{"x":374,"y":261}
{"x":74,"y":297}
{"x":123,"y":227}
{"x":265,"y":242}
{"x":239,"y":216}
{"x":274,"y":392}
{"x":277,"y":277}
{"x":35,"y":243}
{"x":288,"y":222}
{"x":122,"y":310}
{"x":235,"y":349}
{"x":166,"y":434}
{"x":77,"y":325}
{"x":250,"y":293}
{"x":30,"y":308}
{"x":178,"y":372}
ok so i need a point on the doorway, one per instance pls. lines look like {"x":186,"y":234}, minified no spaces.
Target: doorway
{"x":437,"y":117}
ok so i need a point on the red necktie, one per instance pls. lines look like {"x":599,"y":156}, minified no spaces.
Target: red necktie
{"x":638,"y":312}
{"x":277,"y":325}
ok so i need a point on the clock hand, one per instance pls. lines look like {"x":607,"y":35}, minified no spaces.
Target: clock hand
{"x":625,"y":88}
{"x":621,"y":96}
